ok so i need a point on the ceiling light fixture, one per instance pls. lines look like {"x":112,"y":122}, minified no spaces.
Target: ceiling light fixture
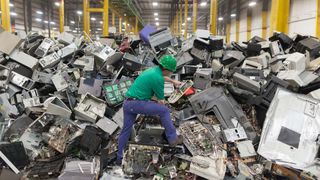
{"x":157,"y":24}
{"x":52,"y":22}
{"x":79,"y":12}
{"x":93,"y":19}
{"x":157,"y":19}
{"x":220,"y":18}
{"x":189,"y":19}
{"x":13,"y":14}
{"x":46,"y":22}
{"x":38,"y":19}
{"x":101,"y":22}
{"x":39,"y":12}
{"x":155,"y":3}
{"x":252,"y":3}
{"x":156,"y":14}
{"x":203,"y":4}
{"x":57,"y":3}
{"x":72,"y":22}
{"x":233,"y":15}
{"x":11,"y":5}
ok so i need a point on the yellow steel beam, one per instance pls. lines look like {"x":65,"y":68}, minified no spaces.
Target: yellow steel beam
{"x":185,"y":18}
{"x":318,"y":19}
{"x":120,"y":25}
{"x":228,"y":29}
{"x":279,"y":16}
{"x":136,"y":26}
{"x":177,"y":22}
{"x":180,"y":14}
{"x":105,"y":29}
{"x":195,"y":12}
{"x":5,"y":15}
{"x":113,"y":19}
{"x":213,"y":16}
{"x":264,"y":24}
{"x":249,"y":24}
{"x":86,"y":17}
{"x":101,"y":10}
{"x":237,"y":30}
{"x":61,"y":15}
{"x":126,"y":26}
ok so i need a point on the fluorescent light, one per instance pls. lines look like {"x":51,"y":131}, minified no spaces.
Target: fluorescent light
{"x":183,"y":24}
{"x":72,"y":22}
{"x":13,"y":14}
{"x":233,"y":15}
{"x":252,"y":3}
{"x":203,"y":4}
{"x":157,"y":24}
{"x":52,"y":22}
{"x":99,"y":29}
{"x":123,"y":23}
{"x":93,"y":19}
{"x":155,"y":3}
{"x":38,"y":19}
{"x":46,"y":22}
{"x":79,"y":12}
{"x":57,"y":3}
{"x":156,"y":14}
{"x":39,"y":12}
{"x":220,"y":18}
{"x":189,"y":19}
{"x":74,"y":31}
{"x":54,"y":28}
{"x":157,"y":19}
{"x":11,"y":5}
{"x":101,"y":22}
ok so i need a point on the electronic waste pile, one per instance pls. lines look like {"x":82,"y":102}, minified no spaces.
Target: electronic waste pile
{"x":246,"y":110}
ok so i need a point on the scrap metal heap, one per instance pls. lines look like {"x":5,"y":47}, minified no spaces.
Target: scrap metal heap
{"x":245,"y":111}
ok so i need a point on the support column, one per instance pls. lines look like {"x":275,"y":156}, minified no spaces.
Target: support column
{"x":113,"y":20}
{"x":61,"y":16}
{"x":105,"y":29}
{"x":185,"y":18}
{"x":120,"y":25}
{"x":279,"y":16}
{"x":213,"y":16}
{"x":86,"y":17}
{"x":318,"y":19}
{"x":177,"y":22}
{"x":228,"y":20}
{"x":136,"y":26}
{"x":195,"y":12}
{"x":5,"y":16}
{"x":264,"y":18}
{"x":126,"y":26}
{"x":180,"y":14}
{"x":238,"y":21}
{"x":249,"y":24}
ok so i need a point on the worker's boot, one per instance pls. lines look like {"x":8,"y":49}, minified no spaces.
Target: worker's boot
{"x":177,"y":141}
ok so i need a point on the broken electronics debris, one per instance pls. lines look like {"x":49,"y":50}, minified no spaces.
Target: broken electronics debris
{"x":245,"y":111}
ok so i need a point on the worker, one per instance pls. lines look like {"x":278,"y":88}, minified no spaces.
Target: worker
{"x":125,"y":45}
{"x":138,"y":101}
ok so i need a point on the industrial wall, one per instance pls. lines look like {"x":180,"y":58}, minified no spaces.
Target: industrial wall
{"x":302,"y":20}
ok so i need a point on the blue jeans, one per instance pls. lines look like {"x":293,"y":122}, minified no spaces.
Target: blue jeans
{"x":134,"y":107}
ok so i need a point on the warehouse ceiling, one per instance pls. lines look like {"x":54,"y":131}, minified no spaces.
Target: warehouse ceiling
{"x":145,"y":9}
